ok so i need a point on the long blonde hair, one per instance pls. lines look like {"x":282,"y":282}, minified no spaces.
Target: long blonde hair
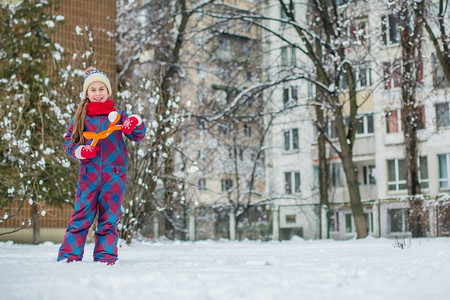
{"x":78,"y":125}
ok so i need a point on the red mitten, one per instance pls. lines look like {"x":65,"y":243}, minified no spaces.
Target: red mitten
{"x":88,"y":151}
{"x":129,"y":124}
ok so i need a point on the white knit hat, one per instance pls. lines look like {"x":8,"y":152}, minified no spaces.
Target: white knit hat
{"x":92,"y":75}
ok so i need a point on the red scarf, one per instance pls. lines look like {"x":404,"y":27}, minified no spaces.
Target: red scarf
{"x":100,"y":108}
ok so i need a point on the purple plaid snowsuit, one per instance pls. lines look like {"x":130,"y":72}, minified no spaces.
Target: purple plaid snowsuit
{"x":101,"y":186}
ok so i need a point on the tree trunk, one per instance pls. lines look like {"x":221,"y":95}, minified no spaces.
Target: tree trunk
{"x":321,"y":124}
{"x":355,"y":196}
{"x":323,"y":167}
{"x":346,"y":156}
{"x":411,"y":35}
{"x":36,"y":223}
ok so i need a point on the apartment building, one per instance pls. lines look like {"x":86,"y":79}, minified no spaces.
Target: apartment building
{"x":225,"y":147}
{"x":222,"y":66}
{"x":292,"y":162}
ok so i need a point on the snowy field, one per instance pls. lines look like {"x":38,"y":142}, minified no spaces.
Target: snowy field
{"x":297,"y":269}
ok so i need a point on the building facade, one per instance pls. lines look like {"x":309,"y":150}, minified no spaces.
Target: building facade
{"x":378,"y":154}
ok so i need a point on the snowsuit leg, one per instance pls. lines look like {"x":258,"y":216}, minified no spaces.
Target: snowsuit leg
{"x":72,"y":247}
{"x":109,"y":204}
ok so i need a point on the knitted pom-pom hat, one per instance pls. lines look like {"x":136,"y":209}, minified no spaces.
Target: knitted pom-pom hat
{"x":92,"y":75}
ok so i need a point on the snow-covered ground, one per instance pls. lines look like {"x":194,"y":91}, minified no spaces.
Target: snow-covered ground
{"x":356,"y":269}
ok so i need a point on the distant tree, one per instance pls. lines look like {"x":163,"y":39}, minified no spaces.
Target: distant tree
{"x":152,"y":37}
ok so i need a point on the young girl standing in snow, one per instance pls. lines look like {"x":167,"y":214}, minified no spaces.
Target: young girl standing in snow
{"x":102,"y":174}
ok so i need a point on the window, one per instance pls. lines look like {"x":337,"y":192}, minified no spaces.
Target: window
{"x":295,"y":140}
{"x":423,"y":172}
{"x":442,"y":115}
{"x":350,"y":226}
{"x":241,"y":153}
{"x":392,"y":74}
{"x":293,"y":56}
{"x":201,"y":124}
{"x":311,"y":90}
{"x":245,"y":49}
{"x":288,"y":182}
{"x":199,"y":40}
{"x":315,"y":177}
{"x":420,"y":117}
{"x":330,"y":130}
{"x":202,"y":184}
{"x":444,"y":169}
{"x":283,"y":15}
{"x":369,"y":222}
{"x":357,"y":30}
{"x":365,"y":125}
{"x":288,"y":56}
{"x":389,"y":28}
{"x":290,"y":96}
{"x":247,"y":130}
{"x":246,"y":26}
{"x":294,"y":94}
{"x":225,"y":128}
{"x":227,"y":184}
{"x":285,"y":96}
{"x":284,"y":56}
{"x":292,"y":182}
{"x":369,"y":175}
{"x":336,"y":175}
{"x":343,"y":82}
{"x":291,"y":139}
{"x":396,"y":175}
{"x":392,"y":121}
{"x":291,"y":219}
{"x":287,"y":140}
{"x":230,"y":152}
{"x":348,"y":223}
{"x":364,"y":77}
{"x":334,"y":221}
{"x":398,"y":220}
{"x":439,"y":79}
{"x":224,"y":44}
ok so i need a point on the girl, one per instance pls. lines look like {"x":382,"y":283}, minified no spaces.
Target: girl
{"x":102,"y":174}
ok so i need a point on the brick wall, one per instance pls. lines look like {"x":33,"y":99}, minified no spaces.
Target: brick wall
{"x":100,"y":17}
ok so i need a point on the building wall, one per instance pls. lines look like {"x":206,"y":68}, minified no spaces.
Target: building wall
{"x":96,"y":18}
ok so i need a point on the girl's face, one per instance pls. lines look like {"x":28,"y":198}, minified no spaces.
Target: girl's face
{"x":97,"y":92}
